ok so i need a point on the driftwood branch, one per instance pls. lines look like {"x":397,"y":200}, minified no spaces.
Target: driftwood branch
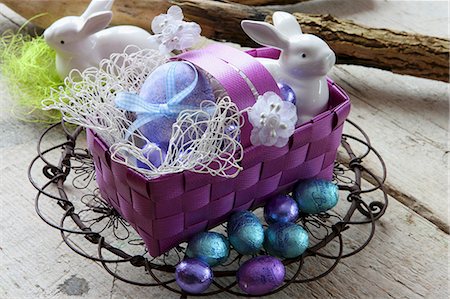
{"x":399,"y":52}
{"x":265,"y":2}
{"x":395,"y":51}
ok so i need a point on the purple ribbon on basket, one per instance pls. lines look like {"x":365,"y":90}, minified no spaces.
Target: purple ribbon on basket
{"x":146,"y":112}
{"x":225,"y":64}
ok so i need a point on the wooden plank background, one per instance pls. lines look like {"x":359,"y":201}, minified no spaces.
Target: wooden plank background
{"x":407,"y":120}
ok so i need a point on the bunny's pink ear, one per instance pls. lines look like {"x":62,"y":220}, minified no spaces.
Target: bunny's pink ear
{"x":96,"y":22}
{"x":265,"y":34}
{"x":287,"y":24}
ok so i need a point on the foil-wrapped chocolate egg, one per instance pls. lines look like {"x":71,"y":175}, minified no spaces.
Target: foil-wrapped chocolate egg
{"x":260,"y":275}
{"x":210,"y":247}
{"x":286,"y":240}
{"x":281,"y":208}
{"x":245,"y":232}
{"x":193,"y":276}
{"x":232,"y":131}
{"x":152,"y":154}
{"x":316,"y":196}
{"x":287,"y":94}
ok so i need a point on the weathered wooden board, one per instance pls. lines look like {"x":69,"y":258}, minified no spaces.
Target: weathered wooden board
{"x":407,"y":120}
{"x":12,"y":21}
{"x":409,"y":126}
{"x":267,"y":2}
{"x":407,"y":16}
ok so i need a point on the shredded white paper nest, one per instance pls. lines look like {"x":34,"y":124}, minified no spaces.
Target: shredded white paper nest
{"x":205,"y":140}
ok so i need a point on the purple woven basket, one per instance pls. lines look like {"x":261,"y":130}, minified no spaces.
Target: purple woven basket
{"x":170,"y":209}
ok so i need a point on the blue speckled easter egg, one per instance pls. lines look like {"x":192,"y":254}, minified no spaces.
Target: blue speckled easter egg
{"x":286,"y":240}
{"x":260,"y":275}
{"x":153,"y":90}
{"x":210,"y":247}
{"x":316,"y":196}
{"x":281,"y":208}
{"x":193,"y":276}
{"x":245,"y":232}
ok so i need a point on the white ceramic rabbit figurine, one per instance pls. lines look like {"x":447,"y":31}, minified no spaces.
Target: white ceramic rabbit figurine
{"x":303,"y":64}
{"x":82,"y":42}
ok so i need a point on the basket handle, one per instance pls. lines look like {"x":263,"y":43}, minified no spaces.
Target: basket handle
{"x":230,"y":66}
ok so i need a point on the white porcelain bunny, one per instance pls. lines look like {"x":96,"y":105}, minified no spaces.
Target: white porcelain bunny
{"x":82,"y":42}
{"x":303,"y":64}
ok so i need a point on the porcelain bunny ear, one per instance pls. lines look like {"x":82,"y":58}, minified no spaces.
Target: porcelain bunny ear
{"x":265,"y":34}
{"x":287,"y":24}
{"x":97,"y":6}
{"x":96,"y":22}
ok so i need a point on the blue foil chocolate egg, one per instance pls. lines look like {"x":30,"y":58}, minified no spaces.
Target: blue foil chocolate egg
{"x":210,"y":247}
{"x":245,"y":232}
{"x":286,"y":240}
{"x":281,"y":208}
{"x":287,"y":94}
{"x":316,"y":196}
{"x":193,"y":276}
{"x":154,"y":91}
{"x":260,"y":275}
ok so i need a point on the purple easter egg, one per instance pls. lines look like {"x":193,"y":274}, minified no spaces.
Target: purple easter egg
{"x":193,"y":276}
{"x":287,"y":94}
{"x":231,"y":131}
{"x":152,"y":156}
{"x":260,"y":275}
{"x":154,"y":91}
{"x":281,"y":208}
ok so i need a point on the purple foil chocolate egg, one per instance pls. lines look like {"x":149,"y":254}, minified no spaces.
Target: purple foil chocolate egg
{"x":287,"y":94}
{"x":260,"y":275}
{"x":152,"y":156}
{"x":231,"y":131}
{"x":281,"y":208}
{"x":193,"y":276}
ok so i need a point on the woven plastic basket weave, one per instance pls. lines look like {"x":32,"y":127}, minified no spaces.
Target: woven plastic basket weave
{"x":170,"y":209}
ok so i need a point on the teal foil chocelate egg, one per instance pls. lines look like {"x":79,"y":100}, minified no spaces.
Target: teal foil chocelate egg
{"x":210,"y":247}
{"x":286,"y":240}
{"x":316,"y":196}
{"x":245,"y":232}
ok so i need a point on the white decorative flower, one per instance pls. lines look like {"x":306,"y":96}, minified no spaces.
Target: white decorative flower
{"x":273,"y":120}
{"x":172,"y":33}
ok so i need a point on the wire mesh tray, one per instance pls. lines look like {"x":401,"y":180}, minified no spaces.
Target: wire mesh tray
{"x":68,"y":200}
